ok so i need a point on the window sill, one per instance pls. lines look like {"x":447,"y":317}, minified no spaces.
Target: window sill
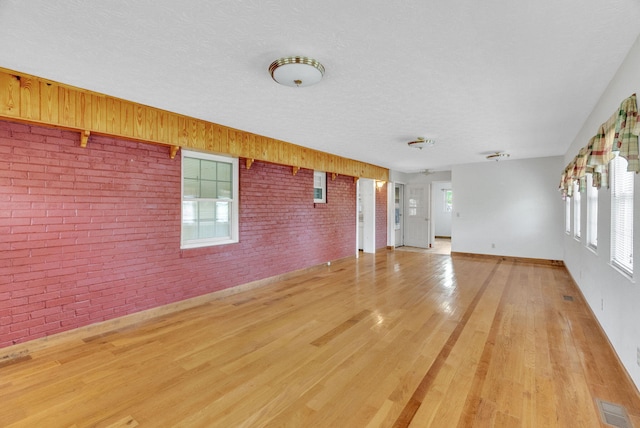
{"x":625,"y":273}
{"x":208,"y":244}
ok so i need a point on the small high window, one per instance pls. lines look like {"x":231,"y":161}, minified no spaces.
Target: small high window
{"x":319,"y":187}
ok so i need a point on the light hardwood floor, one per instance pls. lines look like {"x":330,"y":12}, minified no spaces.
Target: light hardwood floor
{"x":392,"y":340}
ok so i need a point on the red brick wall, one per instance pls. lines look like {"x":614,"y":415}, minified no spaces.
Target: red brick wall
{"x":91,"y":234}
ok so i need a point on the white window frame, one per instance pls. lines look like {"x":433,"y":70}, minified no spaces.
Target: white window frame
{"x":622,"y":183}
{"x":233,"y":236}
{"x":577,"y":207}
{"x":567,"y":215}
{"x":447,"y":208}
{"x":592,"y":214}
{"x":320,"y":182}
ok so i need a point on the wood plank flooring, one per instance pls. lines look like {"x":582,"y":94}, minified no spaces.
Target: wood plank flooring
{"x":394,"y":339}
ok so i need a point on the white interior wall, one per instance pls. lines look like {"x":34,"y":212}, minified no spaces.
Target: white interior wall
{"x":613,"y":297}
{"x":509,"y":208}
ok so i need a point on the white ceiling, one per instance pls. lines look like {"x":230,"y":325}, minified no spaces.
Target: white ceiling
{"x":518,"y":76}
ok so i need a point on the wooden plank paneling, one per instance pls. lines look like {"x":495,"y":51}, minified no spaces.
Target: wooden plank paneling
{"x":83,"y":110}
{"x":48,"y":103}
{"x":114,"y":112}
{"x":32,"y":99}
{"x":98,"y":113}
{"x":126,"y":119}
{"x":139,"y":114}
{"x":151,"y":125}
{"x":10,"y":95}
{"x":67,"y":109}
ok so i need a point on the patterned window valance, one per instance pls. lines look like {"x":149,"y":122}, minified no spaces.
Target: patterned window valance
{"x":619,"y":133}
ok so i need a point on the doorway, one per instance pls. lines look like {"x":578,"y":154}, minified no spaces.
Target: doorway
{"x":398,"y":225}
{"x":366,"y":216}
{"x":441,"y":214}
{"x":416,"y":219}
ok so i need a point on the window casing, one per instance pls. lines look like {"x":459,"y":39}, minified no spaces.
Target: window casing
{"x":621,"y":215}
{"x":319,"y":187}
{"x":209,"y":200}
{"x":448,"y":200}
{"x":592,"y":214}
{"x":567,"y":216}
{"x":577,"y":201}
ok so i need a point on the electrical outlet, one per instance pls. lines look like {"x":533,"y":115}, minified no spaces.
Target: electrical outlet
{"x":638,"y":356}
{"x":602,"y":304}
{"x":493,"y":245}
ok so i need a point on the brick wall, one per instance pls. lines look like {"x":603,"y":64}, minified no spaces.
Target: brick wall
{"x":91,"y":234}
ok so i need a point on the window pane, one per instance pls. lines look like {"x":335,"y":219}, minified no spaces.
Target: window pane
{"x":397,"y":209}
{"x":448,"y":201}
{"x":208,"y":170}
{"x":577,"y":208}
{"x":224,"y":190}
{"x":224,"y":172}
{"x":206,"y":219}
{"x":189,"y":221}
{"x":592,"y":213}
{"x":191,"y":168}
{"x":319,"y":186}
{"x":191,"y":188}
{"x":222,"y":219}
{"x":622,"y":215}
{"x":208,"y":189}
{"x":567,"y":215}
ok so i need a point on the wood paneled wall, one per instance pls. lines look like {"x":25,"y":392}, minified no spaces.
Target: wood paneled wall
{"x":32,"y":99}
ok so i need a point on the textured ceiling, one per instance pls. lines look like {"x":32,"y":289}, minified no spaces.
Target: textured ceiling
{"x":518,"y":76}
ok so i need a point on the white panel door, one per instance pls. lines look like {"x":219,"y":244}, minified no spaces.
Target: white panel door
{"x":416,"y":215}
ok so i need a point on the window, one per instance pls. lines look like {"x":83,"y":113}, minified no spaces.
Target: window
{"x":577,"y":200}
{"x":397,"y":202}
{"x":567,"y":215}
{"x":448,"y":200}
{"x":621,"y":215}
{"x":209,"y":200}
{"x":592,"y":213}
{"x":319,"y":187}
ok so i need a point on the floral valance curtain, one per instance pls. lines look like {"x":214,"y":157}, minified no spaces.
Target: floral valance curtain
{"x":619,"y":133}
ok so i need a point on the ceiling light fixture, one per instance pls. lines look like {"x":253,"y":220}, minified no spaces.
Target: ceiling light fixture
{"x":497,"y":156}
{"x":296,"y":71}
{"x":421,"y":142}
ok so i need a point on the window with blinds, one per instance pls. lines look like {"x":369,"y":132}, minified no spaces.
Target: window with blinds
{"x":577,"y":199}
{"x":567,"y":215}
{"x":209,"y":200}
{"x":621,"y":215}
{"x":592,"y":214}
